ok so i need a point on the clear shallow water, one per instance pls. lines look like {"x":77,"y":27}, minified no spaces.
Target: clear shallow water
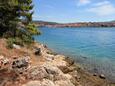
{"x":93,"y":48}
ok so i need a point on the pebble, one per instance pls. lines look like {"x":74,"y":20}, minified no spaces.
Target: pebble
{"x":95,"y":74}
{"x":102,"y":76}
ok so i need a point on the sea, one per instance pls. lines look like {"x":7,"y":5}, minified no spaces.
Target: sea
{"x":91,"y":47}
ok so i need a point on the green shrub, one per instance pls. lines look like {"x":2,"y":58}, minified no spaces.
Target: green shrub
{"x":10,"y":42}
{"x":25,"y":40}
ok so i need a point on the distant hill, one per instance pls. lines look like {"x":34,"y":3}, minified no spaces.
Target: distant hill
{"x":113,"y":21}
{"x":78,"y":24}
{"x":44,"y":22}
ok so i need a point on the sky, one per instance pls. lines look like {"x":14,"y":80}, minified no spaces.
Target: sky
{"x":68,"y":11}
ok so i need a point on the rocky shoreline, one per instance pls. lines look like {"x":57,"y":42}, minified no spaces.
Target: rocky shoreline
{"x":36,"y":65}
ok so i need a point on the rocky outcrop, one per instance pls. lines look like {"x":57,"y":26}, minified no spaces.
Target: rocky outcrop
{"x":4,"y":63}
{"x":44,"y":82}
{"x":54,"y":70}
{"x":47,"y":82}
{"x":51,"y":74}
{"x":18,"y":65}
{"x":37,"y":73}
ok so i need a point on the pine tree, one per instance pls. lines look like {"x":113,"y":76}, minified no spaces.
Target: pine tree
{"x":8,"y":16}
{"x":25,"y":11}
{"x":16,"y":20}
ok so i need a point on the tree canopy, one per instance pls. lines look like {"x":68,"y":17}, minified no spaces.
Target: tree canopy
{"x":16,"y":20}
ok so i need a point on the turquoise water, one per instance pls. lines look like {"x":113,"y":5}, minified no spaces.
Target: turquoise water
{"x":93,"y":48}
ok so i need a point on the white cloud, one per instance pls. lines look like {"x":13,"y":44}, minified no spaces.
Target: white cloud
{"x":102,"y":9}
{"x":35,"y":16}
{"x":83,"y":2}
{"x":102,"y":3}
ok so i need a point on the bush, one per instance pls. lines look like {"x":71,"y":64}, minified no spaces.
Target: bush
{"x":10,"y":42}
{"x":25,"y":40}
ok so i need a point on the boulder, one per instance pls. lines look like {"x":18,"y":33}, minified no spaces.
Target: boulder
{"x":52,"y":69}
{"x":40,"y":49}
{"x":47,"y":71}
{"x":64,"y":83}
{"x":49,"y":57}
{"x":33,"y":83}
{"x":44,"y":82}
{"x":37,"y":51}
{"x":47,"y":82}
{"x":75,"y":75}
{"x":56,"y":74}
{"x":66,"y":69}
{"x":62,"y":77}
{"x":59,"y":61}
{"x":4,"y":62}
{"x":1,"y":57}
{"x":69,"y":61}
{"x":37,"y":73}
{"x":20,"y":65}
{"x":16,"y":46}
{"x":43,"y":49}
{"x":102,"y":76}
{"x":95,"y":74}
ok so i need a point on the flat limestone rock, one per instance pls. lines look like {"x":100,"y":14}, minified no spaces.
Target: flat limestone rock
{"x":45,"y":82}
{"x":33,"y":83}
{"x":37,"y":73}
{"x":64,"y":83}
{"x":16,"y":46}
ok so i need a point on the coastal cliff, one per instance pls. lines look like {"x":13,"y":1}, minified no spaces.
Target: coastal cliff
{"x":36,"y":65}
{"x":78,"y":24}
